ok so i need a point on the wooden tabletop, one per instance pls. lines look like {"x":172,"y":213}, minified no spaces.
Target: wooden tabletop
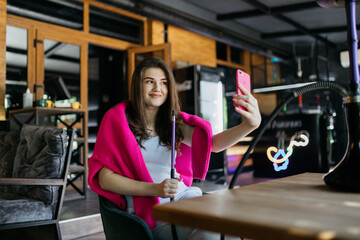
{"x":54,"y":110}
{"x":296,"y":207}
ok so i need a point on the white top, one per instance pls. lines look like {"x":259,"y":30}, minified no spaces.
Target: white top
{"x":158,"y":162}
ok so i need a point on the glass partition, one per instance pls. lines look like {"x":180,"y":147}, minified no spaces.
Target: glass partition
{"x":65,"y":13}
{"x":16,"y":66}
{"x":62,"y":71}
{"x":139,"y":57}
{"x":237,"y":55}
{"x":114,"y":25}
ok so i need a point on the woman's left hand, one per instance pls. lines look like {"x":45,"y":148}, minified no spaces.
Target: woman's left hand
{"x":248,"y":101}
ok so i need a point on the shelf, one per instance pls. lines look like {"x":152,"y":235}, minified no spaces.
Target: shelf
{"x":79,"y":139}
{"x":92,"y":124}
{"x":275,"y":88}
{"x":76,"y":169}
{"x":93,"y":108}
{"x":48,"y":111}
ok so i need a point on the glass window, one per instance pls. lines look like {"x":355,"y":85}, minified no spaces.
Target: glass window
{"x":64,"y":13}
{"x":16,"y":66}
{"x":237,"y":55}
{"x":62,"y":70}
{"x":221,"y":51}
{"x":113,"y":25}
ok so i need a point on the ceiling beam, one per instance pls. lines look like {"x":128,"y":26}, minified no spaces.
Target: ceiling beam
{"x":16,"y":50}
{"x":265,"y":9}
{"x":268,"y":10}
{"x":52,"y":50}
{"x":297,"y":33}
{"x":175,"y":12}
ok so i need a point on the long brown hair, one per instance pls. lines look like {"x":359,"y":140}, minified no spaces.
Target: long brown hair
{"x":136,"y":110}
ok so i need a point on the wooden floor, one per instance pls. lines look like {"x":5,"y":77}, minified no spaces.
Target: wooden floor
{"x":78,"y":206}
{"x":80,"y":218}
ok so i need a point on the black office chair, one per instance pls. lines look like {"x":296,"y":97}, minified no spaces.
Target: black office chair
{"x":119,"y":224}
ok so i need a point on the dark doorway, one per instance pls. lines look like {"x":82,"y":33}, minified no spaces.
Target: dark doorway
{"x":107,"y":85}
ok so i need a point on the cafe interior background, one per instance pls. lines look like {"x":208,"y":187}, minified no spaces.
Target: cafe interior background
{"x":91,"y":48}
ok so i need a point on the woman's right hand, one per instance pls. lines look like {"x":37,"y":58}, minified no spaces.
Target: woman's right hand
{"x":113,"y":182}
{"x":168,"y":188}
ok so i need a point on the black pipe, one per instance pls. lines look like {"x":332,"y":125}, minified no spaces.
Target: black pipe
{"x":267,"y":10}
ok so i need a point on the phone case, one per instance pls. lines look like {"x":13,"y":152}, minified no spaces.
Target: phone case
{"x":244,"y":79}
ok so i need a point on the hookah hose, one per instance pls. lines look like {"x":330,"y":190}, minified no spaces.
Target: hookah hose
{"x":172,"y":173}
{"x":316,"y":86}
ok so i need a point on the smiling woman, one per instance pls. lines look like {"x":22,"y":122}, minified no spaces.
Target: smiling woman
{"x":148,"y":90}
{"x":132,"y":153}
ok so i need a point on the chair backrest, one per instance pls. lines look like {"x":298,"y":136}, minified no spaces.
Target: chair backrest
{"x":41,"y":153}
{"x":47,"y":149}
{"x":122,"y":225}
{"x":9,"y":142}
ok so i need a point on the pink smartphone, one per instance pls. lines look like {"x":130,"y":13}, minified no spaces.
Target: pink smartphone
{"x":244,"y":79}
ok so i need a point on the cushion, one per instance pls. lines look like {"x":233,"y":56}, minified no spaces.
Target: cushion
{"x":41,"y":154}
{"x":14,"y":209}
{"x":8,"y":144}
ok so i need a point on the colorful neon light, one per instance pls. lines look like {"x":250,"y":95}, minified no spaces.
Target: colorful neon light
{"x":284,"y":165}
{"x":284,"y":157}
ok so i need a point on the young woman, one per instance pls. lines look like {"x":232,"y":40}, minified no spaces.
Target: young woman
{"x":131,"y":158}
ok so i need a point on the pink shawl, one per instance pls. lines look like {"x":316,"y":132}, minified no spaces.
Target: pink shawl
{"x":116,"y":149}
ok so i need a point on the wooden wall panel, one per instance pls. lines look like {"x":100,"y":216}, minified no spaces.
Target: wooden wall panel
{"x":257,"y":59}
{"x":40,"y":73}
{"x":84,"y":48}
{"x":191,"y":48}
{"x":2,"y":58}
{"x":31,"y":58}
{"x":113,"y":9}
{"x":258,"y":74}
{"x":86,"y":17}
{"x":247,"y":67}
{"x":156,"y":32}
{"x":265,"y":72}
{"x":267,"y":102}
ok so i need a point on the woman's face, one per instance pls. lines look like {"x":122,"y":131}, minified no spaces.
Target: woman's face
{"x":155,"y":88}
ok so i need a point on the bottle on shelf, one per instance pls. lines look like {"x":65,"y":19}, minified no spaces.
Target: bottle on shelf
{"x":27,"y":99}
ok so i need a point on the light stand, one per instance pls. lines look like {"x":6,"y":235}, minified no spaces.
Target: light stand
{"x":172,"y":172}
{"x":346,"y":175}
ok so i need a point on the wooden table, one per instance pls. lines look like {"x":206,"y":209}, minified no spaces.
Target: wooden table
{"x":26,"y":115}
{"x":296,"y":207}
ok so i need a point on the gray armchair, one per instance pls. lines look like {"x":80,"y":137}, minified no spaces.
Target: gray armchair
{"x":34,"y":164}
